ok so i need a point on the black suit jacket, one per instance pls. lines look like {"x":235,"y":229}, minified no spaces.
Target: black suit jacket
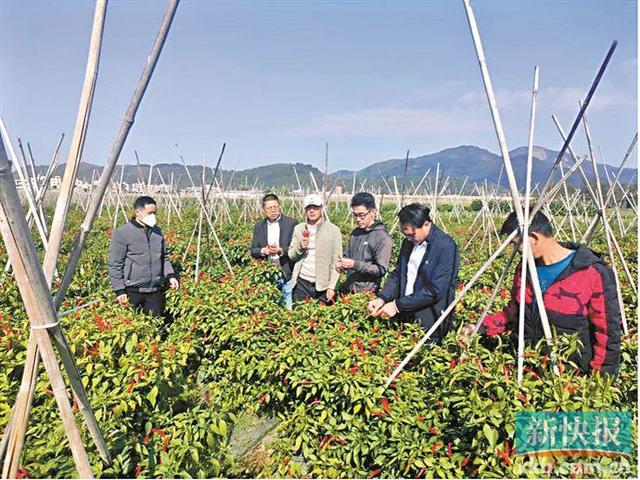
{"x":259,"y":241}
{"x":435,"y":283}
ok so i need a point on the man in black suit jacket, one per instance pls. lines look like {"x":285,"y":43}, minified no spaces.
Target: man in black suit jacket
{"x":271,"y":239}
{"x":424,"y":281}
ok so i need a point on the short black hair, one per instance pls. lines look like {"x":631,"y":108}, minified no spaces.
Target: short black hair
{"x":414,"y":214}
{"x":142,"y":202}
{"x":364,"y":199}
{"x":269,"y":197}
{"x":539,"y":224}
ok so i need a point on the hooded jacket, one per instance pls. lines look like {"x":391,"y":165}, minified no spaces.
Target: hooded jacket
{"x":370,"y":249}
{"x":138,"y":259}
{"x":582,"y":299}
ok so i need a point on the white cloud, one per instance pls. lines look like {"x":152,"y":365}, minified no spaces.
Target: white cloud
{"x":467,"y":114}
{"x":388,"y":121}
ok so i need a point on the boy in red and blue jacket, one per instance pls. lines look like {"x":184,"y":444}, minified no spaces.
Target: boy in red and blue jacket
{"x":579,"y":294}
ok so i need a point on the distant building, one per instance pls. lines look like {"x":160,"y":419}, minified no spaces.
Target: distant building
{"x":55,"y":182}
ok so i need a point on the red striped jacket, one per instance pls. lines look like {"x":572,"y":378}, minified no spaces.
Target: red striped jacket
{"x":582,"y":299}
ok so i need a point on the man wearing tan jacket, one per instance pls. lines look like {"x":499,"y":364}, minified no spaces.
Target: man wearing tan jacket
{"x":315,"y":248}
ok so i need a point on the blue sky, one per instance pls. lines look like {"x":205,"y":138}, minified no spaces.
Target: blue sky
{"x":276,"y":80}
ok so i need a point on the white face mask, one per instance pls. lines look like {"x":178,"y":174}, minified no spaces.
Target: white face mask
{"x":149,"y":220}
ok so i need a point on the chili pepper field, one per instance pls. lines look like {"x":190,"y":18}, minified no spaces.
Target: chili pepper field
{"x":236,"y":386}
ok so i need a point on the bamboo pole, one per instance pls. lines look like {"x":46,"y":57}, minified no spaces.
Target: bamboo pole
{"x":127,"y":123}
{"x":583,"y":109}
{"x":607,"y":233}
{"x":450,"y":308}
{"x":40,"y":310}
{"x":526,"y":249}
{"x":404,"y":179}
{"x":495,"y":291}
{"x":51,"y":255}
{"x":594,"y":221}
{"x":514,"y":194}
{"x":211,"y":227}
{"x":24,"y":180}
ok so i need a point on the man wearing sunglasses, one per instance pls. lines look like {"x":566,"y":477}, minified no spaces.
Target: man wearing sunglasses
{"x":367,"y":256}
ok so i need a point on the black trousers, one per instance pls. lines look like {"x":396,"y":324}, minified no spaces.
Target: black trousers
{"x":305,"y":289}
{"x":148,"y":302}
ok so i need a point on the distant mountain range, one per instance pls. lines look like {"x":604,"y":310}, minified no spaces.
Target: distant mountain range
{"x":469,"y":161}
{"x":479,"y":164}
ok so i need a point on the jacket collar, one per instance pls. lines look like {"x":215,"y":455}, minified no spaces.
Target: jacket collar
{"x":584,"y":257}
{"x":136,"y":224}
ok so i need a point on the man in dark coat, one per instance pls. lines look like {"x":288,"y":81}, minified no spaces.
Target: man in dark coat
{"x":579,"y":294}
{"x":424,"y":281}
{"x":139,"y":266}
{"x":271,"y":239}
{"x":366,"y":259}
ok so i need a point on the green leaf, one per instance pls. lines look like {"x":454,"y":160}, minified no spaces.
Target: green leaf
{"x":153,"y":395}
{"x":491,"y":434}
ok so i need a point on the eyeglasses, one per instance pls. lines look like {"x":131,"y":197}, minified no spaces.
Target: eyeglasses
{"x":360,"y":216}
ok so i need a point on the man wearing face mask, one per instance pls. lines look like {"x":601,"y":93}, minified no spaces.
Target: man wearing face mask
{"x":139,"y":266}
{"x":424,"y":281}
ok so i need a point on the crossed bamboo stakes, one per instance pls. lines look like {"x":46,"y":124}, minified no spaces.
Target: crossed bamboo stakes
{"x":547,"y":192}
{"x":34,"y":280}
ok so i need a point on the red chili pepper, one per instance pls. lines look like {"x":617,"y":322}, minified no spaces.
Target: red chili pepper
{"x":22,"y":473}
{"x":522,"y":397}
{"x":420,"y":419}
{"x":532,"y":373}
{"x":353,"y":370}
{"x":377,"y":413}
{"x":452,"y":363}
{"x":434,"y":447}
{"x":465,"y":461}
{"x":449,"y":451}
{"x":433,"y":431}
{"x":138,"y":470}
{"x":571,"y":388}
{"x":385,"y":405}
{"x":374,"y":473}
{"x":505,"y":457}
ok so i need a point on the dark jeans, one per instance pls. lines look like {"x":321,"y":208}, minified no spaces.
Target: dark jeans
{"x":305,"y":289}
{"x":148,"y":302}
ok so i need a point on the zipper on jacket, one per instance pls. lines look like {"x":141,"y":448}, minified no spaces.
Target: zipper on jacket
{"x":149,"y":248}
